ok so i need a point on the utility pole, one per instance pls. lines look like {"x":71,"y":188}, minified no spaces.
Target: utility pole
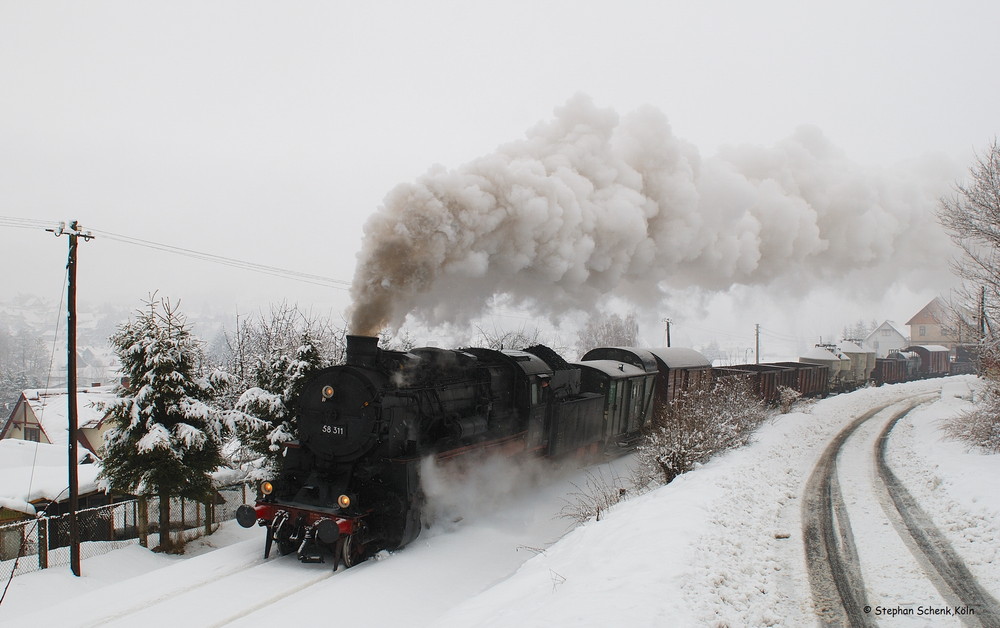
{"x":667,"y":321}
{"x":982,"y":314}
{"x":74,"y":234}
{"x":757,"y":340}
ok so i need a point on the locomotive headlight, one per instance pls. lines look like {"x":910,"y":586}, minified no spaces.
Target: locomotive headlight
{"x":266,"y":487}
{"x":327,"y":392}
{"x":344,"y":501}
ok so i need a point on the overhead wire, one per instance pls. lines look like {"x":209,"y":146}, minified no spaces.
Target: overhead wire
{"x":779,"y":335}
{"x":34,"y":457}
{"x":227,"y":261}
{"x":26,"y":223}
{"x":284,"y":273}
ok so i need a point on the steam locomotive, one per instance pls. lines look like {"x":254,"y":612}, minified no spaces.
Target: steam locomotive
{"x":350,"y":486}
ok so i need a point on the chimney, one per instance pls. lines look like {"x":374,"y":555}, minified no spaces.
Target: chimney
{"x":362,"y":351}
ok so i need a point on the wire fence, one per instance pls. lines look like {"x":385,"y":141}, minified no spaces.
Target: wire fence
{"x":34,"y":544}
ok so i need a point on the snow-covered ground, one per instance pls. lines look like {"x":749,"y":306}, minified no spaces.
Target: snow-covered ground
{"x":721,"y":545}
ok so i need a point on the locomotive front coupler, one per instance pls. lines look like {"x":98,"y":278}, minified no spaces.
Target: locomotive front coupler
{"x":309,"y":550}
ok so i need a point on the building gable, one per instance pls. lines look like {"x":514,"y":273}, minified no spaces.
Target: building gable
{"x":42,"y":416}
{"x":934,"y":313}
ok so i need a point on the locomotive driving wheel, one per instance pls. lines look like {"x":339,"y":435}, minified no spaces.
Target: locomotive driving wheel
{"x":353,"y":551}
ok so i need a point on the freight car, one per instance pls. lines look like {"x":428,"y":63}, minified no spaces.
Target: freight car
{"x":934,"y":359}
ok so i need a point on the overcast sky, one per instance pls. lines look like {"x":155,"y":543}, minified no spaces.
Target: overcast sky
{"x":270,"y":132}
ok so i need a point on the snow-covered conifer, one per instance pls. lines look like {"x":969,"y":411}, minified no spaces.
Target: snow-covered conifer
{"x":165,"y":437}
{"x":270,"y":405}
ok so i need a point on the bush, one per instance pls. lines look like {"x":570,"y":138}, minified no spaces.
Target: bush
{"x":698,"y":425}
{"x":979,"y":428}
{"x":597,"y":497}
{"x":786,"y":398}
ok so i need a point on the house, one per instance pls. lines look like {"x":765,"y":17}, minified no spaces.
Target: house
{"x":939,"y":324}
{"x":42,"y":416}
{"x":33,"y":475}
{"x":886,"y":338}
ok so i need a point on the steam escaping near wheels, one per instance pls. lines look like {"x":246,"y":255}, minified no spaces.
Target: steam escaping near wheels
{"x":591,"y":202}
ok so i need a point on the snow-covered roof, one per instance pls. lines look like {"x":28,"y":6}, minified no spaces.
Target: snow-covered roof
{"x":847,"y":346}
{"x":681,"y":358}
{"x":640,"y":358}
{"x":50,"y":407}
{"x":901,"y":330}
{"x":32,"y":471}
{"x":613,"y":368}
{"x":822,"y":353}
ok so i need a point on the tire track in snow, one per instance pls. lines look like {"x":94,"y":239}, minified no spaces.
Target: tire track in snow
{"x":834,"y":570}
{"x":946,"y":569}
{"x":838,"y":587}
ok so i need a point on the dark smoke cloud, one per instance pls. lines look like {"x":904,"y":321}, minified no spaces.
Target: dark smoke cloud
{"x":591,"y":204}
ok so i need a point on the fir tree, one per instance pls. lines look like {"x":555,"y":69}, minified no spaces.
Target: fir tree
{"x":164,"y":440}
{"x":270,"y":406}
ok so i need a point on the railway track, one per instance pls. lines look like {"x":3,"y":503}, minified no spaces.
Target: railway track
{"x":839,"y":564}
{"x":222,"y":598}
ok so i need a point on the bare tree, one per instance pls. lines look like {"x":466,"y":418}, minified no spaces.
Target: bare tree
{"x":503,"y":339}
{"x":972,"y":218}
{"x":608,"y":330}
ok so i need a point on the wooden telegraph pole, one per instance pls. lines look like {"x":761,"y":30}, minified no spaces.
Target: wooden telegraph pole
{"x":74,"y":234}
{"x":756,"y":333}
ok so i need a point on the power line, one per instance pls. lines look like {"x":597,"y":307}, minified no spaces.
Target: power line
{"x":26,"y":223}
{"x":228,"y":261}
{"x":284,"y":273}
{"x":779,"y":335}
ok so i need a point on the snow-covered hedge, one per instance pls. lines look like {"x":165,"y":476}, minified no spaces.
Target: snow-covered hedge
{"x":699,"y":424}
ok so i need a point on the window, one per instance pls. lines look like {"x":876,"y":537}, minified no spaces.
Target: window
{"x":923,"y":330}
{"x":32,"y":434}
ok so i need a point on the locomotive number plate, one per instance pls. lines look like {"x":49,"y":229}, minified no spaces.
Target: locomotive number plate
{"x":334,"y":430}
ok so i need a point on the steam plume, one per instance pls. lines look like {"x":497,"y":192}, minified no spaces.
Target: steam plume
{"x":590,"y":203}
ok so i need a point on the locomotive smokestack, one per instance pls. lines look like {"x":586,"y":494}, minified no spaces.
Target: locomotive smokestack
{"x":362,"y":350}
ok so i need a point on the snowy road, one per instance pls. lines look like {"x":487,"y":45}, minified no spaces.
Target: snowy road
{"x":853,"y":483}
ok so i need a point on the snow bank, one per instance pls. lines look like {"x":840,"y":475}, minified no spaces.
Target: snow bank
{"x":718,"y":546}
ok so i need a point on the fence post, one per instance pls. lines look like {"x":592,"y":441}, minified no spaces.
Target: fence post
{"x":43,"y":542}
{"x":142,"y":522}
{"x":209,"y":515}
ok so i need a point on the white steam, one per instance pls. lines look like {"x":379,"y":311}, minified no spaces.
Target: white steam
{"x":480,"y":486}
{"x":590,"y":204}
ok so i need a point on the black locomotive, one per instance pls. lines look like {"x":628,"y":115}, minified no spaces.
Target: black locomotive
{"x":349,"y":485}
